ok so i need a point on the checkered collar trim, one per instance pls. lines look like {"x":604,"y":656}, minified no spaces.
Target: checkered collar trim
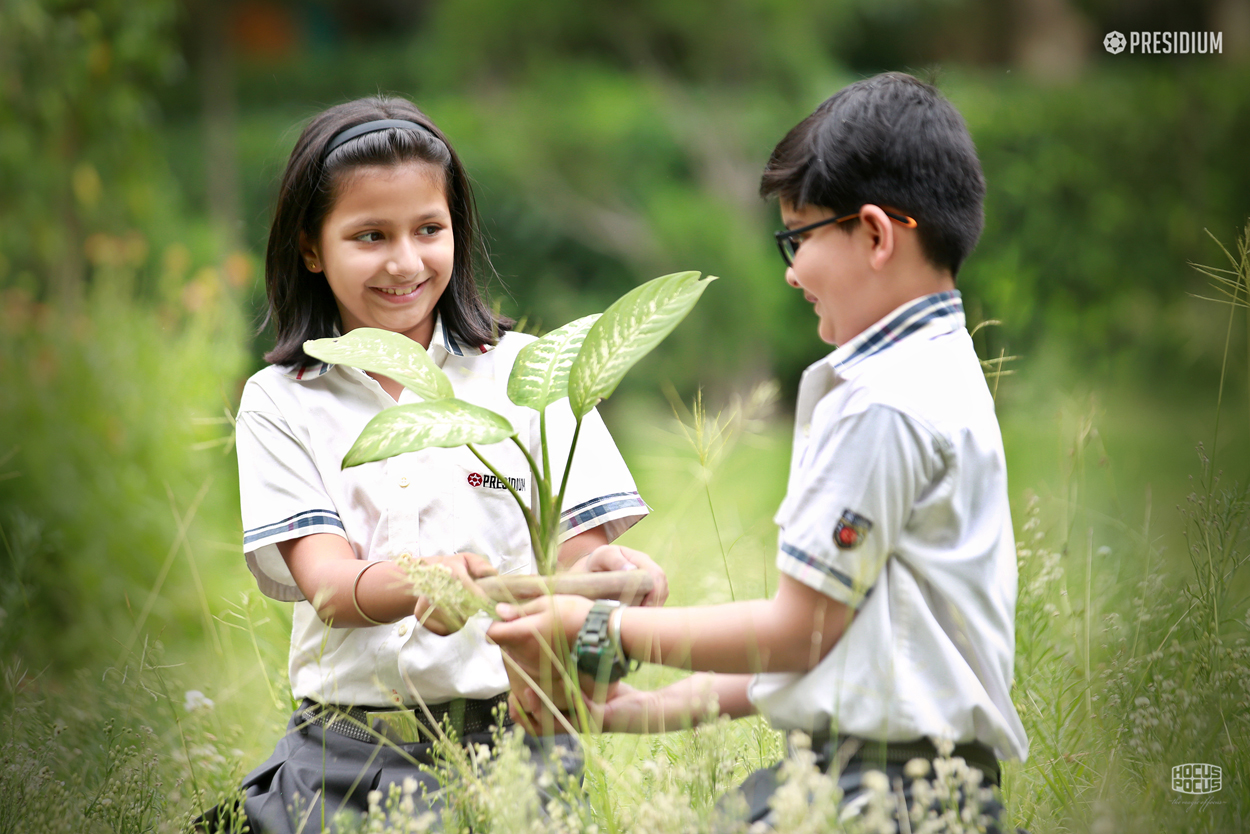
{"x":939,"y":312}
{"x":441,"y":340}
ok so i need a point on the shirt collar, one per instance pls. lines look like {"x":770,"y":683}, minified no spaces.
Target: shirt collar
{"x":941,"y":312}
{"x":442,"y":345}
{"x":444,"y":341}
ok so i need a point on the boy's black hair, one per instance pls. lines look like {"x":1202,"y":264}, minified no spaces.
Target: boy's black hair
{"x":895,"y":142}
{"x":301,"y":305}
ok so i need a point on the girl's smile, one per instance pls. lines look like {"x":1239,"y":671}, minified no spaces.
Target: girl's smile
{"x":386,"y":248}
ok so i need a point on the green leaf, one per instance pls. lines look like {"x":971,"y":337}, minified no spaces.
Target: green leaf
{"x":417,"y":426}
{"x":540,"y":375}
{"x":389,"y":354}
{"x":628,"y":330}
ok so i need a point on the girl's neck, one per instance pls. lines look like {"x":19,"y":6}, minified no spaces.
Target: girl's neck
{"x":389,"y":385}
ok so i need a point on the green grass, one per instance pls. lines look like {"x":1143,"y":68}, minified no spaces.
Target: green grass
{"x":1103,"y":660}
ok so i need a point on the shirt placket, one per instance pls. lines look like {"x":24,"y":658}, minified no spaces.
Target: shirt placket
{"x":401,"y":520}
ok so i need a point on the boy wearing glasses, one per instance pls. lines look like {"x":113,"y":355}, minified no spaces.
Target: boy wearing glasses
{"x":893,"y":625}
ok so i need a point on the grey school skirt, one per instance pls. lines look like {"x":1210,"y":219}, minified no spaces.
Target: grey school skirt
{"x":318,"y":773}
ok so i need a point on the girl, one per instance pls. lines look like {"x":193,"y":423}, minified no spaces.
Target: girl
{"x":375,"y":226}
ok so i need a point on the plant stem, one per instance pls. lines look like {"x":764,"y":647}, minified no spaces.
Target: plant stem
{"x":542,"y":436}
{"x":568,"y":467}
{"x":543,"y":540}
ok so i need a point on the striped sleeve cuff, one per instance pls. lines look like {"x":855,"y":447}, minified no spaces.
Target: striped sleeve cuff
{"x":616,"y":513}
{"x":302,"y":524}
{"x":264,"y":560}
{"x":815,"y":574}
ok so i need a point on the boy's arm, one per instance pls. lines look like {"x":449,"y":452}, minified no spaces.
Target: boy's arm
{"x":791,"y":632}
{"x":678,"y":706}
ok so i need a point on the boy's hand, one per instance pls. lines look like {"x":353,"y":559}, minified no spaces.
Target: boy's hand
{"x":466,"y":567}
{"x":614,"y":557}
{"x":625,"y":710}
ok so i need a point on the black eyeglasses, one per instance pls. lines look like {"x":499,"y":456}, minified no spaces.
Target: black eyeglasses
{"x":788,"y":241}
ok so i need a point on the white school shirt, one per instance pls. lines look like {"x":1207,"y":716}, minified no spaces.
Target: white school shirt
{"x":897,"y":507}
{"x":294,"y":426}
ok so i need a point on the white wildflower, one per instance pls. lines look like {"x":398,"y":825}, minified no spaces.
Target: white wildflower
{"x":876,"y":781}
{"x":195,"y":700}
{"x":916,"y":769}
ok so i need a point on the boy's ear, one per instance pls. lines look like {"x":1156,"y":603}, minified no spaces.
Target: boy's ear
{"x":308,"y":251}
{"x":876,"y":224}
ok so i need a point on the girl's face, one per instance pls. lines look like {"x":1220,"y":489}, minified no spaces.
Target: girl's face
{"x":386,"y":248}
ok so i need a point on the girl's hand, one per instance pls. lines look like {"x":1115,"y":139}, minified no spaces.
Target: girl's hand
{"x":466,"y":567}
{"x":615,"y":557}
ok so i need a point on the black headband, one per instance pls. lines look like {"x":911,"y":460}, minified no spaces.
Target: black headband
{"x":370,"y":127}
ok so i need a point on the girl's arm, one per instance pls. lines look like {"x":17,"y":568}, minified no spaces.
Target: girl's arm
{"x":574,"y":552}
{"x":589,"y":552}
{"x":325,"y":568}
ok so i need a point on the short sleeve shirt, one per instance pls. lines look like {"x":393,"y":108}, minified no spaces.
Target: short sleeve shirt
{"x":897,"y":507}
{"x":294,"y":427}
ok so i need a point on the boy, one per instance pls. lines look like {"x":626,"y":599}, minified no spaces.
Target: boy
{"x":893,"y":625}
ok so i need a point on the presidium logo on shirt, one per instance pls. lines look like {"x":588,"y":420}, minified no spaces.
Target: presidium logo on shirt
{"x":477,"y":480}
{"x":850,"y":530}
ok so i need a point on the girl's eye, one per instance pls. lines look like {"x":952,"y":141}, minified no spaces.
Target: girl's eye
{"x":430,"y":229}
{"x":369,"y":237}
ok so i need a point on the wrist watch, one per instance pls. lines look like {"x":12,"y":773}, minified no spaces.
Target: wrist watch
{"x":596,"y":652}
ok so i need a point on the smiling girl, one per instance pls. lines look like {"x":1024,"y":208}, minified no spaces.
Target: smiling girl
{"x":375,"y":226}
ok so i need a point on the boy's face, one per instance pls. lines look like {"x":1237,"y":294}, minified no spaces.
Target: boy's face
{"x":829,"y":268}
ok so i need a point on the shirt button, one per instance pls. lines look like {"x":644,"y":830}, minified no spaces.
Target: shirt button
{"x":403,"y":629}
{"x":403,"y":482}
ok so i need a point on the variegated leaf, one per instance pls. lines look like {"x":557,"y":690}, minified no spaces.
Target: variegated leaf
{"x":417,"y":426}
{"x":628,"y":331}
{"x":389,"y":354}
{"x":540,"y":375}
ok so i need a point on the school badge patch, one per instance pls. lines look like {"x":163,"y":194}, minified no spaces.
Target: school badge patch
{"x":850,"y":530}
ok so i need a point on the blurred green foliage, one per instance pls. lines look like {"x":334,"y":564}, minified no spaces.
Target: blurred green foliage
{"x":121,"y":342}
{"x":78,"y":148}
{"x":114,"y":427}
{"x":595,"y":175}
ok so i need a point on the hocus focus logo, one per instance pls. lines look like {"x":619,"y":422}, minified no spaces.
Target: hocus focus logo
{"x":1197,"y":778}
{"x":1114,"y":43}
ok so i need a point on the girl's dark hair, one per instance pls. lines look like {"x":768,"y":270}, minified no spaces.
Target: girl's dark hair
{"x":301,"y":305}
{"x":894,"y":141}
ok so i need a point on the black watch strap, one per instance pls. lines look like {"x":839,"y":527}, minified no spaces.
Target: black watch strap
{"x":595,"y":654}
